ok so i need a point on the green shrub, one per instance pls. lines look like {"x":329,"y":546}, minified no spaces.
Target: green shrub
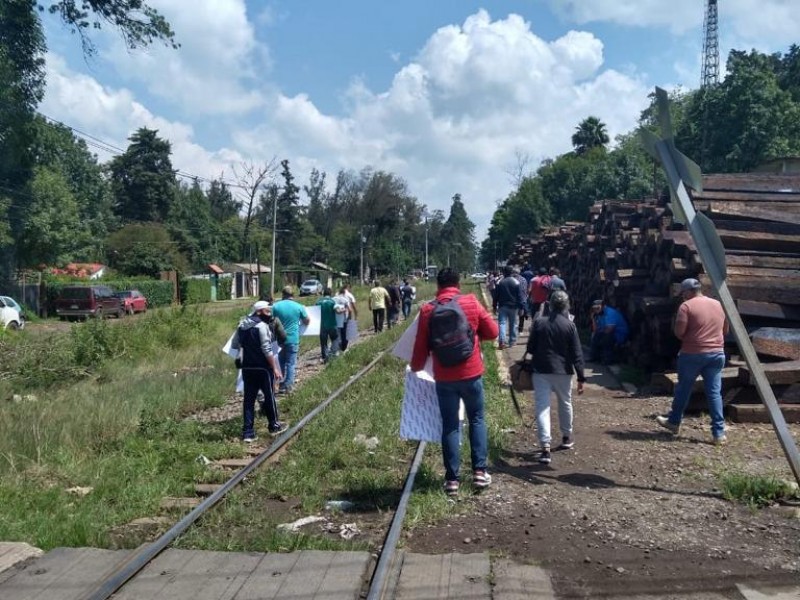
{"x":755,"y":490}
{"x":195,"y":291}
{"x":224,"y":288}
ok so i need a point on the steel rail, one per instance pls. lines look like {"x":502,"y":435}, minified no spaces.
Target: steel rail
{"x":385,"y":562}
{"x":135,"y":563}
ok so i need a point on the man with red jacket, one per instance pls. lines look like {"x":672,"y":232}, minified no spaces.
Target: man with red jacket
{"x":461,"y":381}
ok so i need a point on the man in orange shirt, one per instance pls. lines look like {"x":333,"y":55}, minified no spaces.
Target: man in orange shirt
{"x":460,"y":378}
{"x":701,"y":326}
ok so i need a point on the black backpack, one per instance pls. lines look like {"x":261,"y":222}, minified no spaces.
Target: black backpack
{"x":450,"y":336}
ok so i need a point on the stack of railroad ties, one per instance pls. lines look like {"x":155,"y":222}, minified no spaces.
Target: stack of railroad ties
{"x":634,"y":255}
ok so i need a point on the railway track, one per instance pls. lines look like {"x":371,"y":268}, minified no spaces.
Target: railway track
{"x":381,"y":580}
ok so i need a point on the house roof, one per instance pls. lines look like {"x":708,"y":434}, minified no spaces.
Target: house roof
{"x":252,"y":267}
{"x":215,"y":269}
{"x":321,"y":266}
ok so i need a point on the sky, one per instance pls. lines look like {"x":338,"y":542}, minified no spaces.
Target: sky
{"x":448,"y":94}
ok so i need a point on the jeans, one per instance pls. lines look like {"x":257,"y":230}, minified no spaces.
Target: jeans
{"x":343,"y":337}
{"x":449,"y":394}
{"x":378,"y":316}
{"x":288,"y":360}
{"x":709,"y":365}
{"x":507,"y":317}
{"x":406,"y":308}
{"x":324,"y":336}
{"x":256,"y":380}
{"x":392,"y":315}
{"x":543,"y":384}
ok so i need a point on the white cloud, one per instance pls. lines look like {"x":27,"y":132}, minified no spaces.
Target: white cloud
{"x":79,"y":101}
{"x":451,"y":120}
{"x":764,"y":23}
{"x":218,"y":67}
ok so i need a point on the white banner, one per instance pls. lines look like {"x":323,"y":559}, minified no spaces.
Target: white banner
{"x":315,"y":319}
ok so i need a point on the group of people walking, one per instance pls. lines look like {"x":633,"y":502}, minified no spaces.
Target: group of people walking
{"x":268,"y":340}
{"x":386,"y":303}
{"x":557,"y":358}
{"x":451,"y":329}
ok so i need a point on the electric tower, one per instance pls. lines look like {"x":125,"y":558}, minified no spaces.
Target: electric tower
{"x":710,"y":76}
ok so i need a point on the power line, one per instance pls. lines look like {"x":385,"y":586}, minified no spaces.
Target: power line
{"x":100,"y":144}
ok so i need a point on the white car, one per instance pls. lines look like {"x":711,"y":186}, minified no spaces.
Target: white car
{"x":11,"y":314}
{"x":479,"y":276}
{"x":311,"y":287}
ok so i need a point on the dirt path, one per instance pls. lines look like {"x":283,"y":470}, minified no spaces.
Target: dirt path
{"x":629,"y":510}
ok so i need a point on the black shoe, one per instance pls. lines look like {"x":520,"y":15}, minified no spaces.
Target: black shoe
{"x":567,"y":442}
{"x":278,"y":428}
{"x":544,"y":457}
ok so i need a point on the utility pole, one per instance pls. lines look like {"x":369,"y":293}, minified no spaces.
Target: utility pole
{"x":361,"y":240}
{"x":426,"y":215}
{"x":274,"y":232}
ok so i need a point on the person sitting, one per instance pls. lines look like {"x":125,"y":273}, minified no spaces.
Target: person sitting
{"x":609,"y":331}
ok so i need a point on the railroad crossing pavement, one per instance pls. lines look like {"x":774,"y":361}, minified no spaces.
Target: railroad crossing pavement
{"x":71,"y":573}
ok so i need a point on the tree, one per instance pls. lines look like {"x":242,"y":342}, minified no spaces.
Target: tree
{"x":458,"y":234}
{"x":143,"y":179}
{"x":137,"y":22}
{"x":51,"y":231}
{"x":56,"y":148}
{"x":144,"y":249}
{"x":289,"y":217}
{"x":192,"y":226}
{"x":221,"y":202}
{"x":253,"y":180}
{"x":590,"y":133}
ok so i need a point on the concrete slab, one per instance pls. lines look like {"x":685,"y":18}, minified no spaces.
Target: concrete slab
{"x":768,"y":592}
{"x":439,"y":577}
{"x":12,"y":553}
{"x":514,"y":581}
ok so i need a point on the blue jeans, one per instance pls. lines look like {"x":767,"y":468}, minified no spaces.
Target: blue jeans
{"x":507,"y":317}
{"x":709,"y":365}
{"x":288,"y":359}
{"x":449,"y":394}
{"x":406,"y":307}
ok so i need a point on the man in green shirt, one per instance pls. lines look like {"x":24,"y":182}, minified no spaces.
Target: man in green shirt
{"x":327,"y":328}
{"x":291,"y":314}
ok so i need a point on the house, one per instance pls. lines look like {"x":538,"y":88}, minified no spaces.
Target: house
{"x":246,"y":278}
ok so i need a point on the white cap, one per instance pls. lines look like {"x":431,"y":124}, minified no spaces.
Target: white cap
{"x":260,"y":305}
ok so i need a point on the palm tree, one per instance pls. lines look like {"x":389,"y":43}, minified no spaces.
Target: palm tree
{"x":591,"y":133}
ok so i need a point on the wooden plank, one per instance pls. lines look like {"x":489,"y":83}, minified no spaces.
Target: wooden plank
{"x":668,"y":381}
{"x":757,"y":413}
{"x":206,"y":489}
{"x":266,"y":581}
{"x":170,"y":503}
{"x":755,"y":182}
{"x":12,"y":553}
{"x":769,"y":310}
{"x":786,"y":212}
{"x":444,"y":576}
{"x":61,"y":574}
{"x":232,"y":463}
{"x":514,"y":581}
{"x":154,"y":581}
{"x":752,"y":259}
{"x":318,"y":575}
{"x":742,"y":197}
{"x":785,"y":372}
{"x":785,"y":394}
{"x":777,"y":341}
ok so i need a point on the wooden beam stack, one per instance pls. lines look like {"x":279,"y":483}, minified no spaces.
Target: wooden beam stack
{"x":633,"y":254}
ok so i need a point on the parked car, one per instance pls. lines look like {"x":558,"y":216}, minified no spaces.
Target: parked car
{"x":81,"y":302}
{"x":133,"y":301}
{"x":311,"y":286}
{"x":479,"y":276}
{"x":11,"y":314}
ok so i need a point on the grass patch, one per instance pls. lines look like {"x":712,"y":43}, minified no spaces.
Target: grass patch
{"x":755,"y":491}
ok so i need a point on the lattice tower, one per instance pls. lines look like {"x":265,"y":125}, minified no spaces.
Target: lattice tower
{"x":710,"y":75}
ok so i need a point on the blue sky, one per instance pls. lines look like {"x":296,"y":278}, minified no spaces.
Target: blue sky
{"x":444,"y":93}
